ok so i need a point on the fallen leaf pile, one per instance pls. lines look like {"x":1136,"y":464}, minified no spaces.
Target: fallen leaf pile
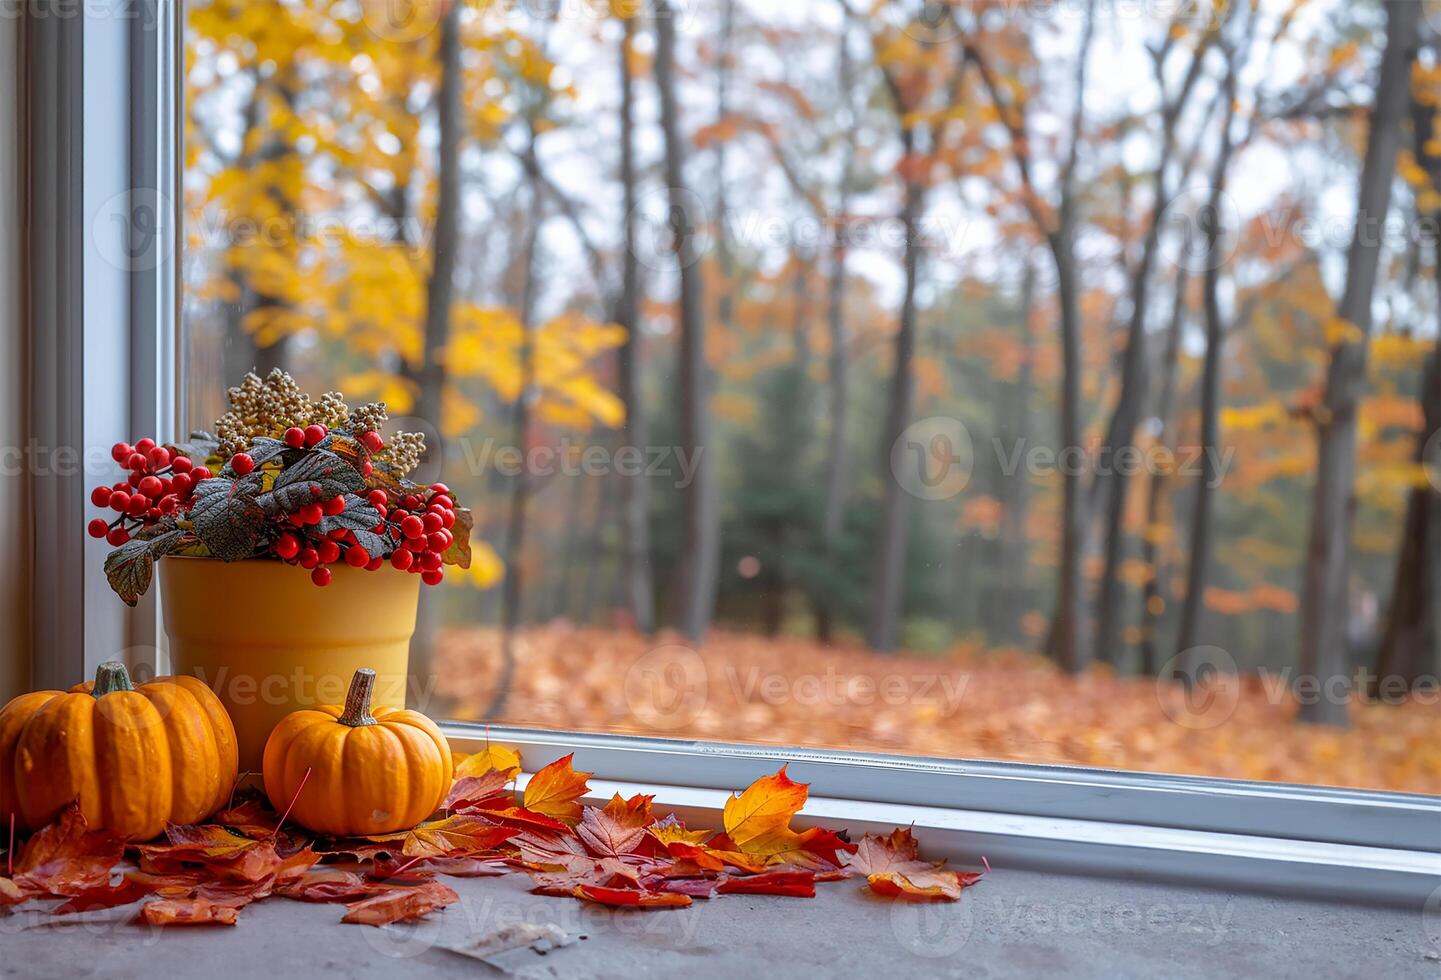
{"x":621,"y":854}
{"x":970,"y":703}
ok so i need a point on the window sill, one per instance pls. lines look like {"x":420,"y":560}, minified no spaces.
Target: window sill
{"x":1375,"y":847}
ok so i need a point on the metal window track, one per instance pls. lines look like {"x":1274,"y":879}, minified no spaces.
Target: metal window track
{"x":1309,"y":842}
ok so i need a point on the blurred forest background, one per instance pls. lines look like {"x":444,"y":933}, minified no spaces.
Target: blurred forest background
{"x":852,"y":262}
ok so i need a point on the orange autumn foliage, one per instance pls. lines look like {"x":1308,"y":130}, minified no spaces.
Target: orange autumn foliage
{"x":968,"y":703}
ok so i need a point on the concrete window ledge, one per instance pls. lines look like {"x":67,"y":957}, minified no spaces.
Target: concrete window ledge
{"x":1015,"y":923}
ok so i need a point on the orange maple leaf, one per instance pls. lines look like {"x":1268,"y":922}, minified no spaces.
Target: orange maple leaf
{"x":469,"y":792}
{"x":555,"y":791}
{"x":64,"y":858}
{"x":457,"y":835}
{"x":616,"y":830}
{"x":893,"y":868}
{"x":400,"y":904}
{"x":188,"y":912}
{"x":672,"y":831}
{"x":492,"y":758}
{"x":630,"y":898}
{"x":758,"y":821}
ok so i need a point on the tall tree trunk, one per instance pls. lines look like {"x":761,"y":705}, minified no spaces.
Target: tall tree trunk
{"x":439,"y":297}
{"x":838,"y":381}
{"x":1113,"y":488}
{"x":888,"y":571}
{"x":1409,"y":644}
{"x":1325,"y":595}
{"x":1154,"y":597}
{"x":725,"y":300}
{"x":635,"y":503}
{"x":1201,"y":544}
{"x":1014,"y":600}
{"x":1411,"y":640}
{"x":513,"y":585}
{"x":1067,"y":644}
{"x":700,"y":544}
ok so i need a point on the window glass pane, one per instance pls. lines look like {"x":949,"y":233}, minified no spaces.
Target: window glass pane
{"x":1009,"y":381}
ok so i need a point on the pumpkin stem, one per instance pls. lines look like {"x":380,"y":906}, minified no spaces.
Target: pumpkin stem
{"x":357,"y":702}
{"x":110,"y":677}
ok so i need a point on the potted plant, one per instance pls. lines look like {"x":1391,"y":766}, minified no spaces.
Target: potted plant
{"x":295,"y":547}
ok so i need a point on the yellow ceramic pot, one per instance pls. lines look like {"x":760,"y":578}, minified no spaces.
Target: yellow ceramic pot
{"x":269,"y":642}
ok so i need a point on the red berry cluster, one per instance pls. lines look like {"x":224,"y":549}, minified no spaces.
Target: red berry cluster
{"x":160,"y":483}
{"x":420,"y":526}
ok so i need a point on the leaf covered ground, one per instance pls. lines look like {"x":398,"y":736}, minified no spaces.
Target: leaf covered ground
{"x":965,"y":704}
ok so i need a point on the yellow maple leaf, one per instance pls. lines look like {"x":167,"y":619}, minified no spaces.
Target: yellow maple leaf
{"x":758,"y":821}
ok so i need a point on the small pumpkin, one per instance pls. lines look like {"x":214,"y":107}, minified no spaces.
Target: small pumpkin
{"x":370,"y":772}
{"x":134,"y":758}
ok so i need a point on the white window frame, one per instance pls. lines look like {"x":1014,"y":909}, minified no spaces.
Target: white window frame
{"x":111,"y":85}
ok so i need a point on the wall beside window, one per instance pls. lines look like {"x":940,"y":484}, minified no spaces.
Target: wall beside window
{"x":14,"y":358}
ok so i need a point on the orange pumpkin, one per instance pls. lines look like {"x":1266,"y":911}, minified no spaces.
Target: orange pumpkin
{"x":369,"y":773}
{"x":134,"y":758}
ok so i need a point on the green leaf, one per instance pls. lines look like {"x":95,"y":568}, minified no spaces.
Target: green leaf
{"x":374,"y":544}
{"x":131,"y":566}
{"x":459,"y":553}
{"x":227,"y":518}
{"x":359,"y":517}
{"x":296,"y":485}
{"x":264,"y":449}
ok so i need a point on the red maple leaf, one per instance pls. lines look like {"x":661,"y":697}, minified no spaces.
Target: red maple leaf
{"x":400,"y":904}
